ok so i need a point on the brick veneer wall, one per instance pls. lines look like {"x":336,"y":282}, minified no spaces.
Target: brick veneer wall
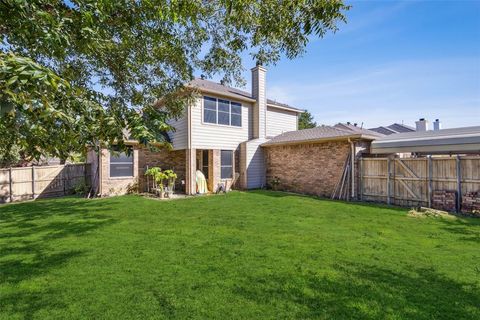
{"x":165,"y":159}
{"x":307,"y":168}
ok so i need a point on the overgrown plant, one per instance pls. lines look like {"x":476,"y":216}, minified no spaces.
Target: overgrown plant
{"x":81,"y":188}
{"x":171,"y":176}
{"x":153,"y":172}
{"x":160,"y":177}
{"x":274,"y":182}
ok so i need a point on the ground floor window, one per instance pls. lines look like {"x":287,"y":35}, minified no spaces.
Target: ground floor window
{"x":121,"y":163}
{"x":226,"y":161}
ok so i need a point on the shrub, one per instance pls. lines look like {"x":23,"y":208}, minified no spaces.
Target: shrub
{"x":274,"y":182}
{"x":80,"y":188}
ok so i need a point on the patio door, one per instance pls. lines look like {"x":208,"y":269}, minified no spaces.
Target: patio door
{"x":205,"y":163}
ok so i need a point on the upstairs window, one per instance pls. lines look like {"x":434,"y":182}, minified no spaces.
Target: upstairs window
{"x":221,"y":111}
{"x":210,"y":110}
{"x":121,"y":164}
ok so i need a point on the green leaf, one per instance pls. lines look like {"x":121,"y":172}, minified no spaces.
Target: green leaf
{"x":12,"y":80}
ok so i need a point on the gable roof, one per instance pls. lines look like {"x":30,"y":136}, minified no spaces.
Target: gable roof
{"x":393,"y":128}
{"x":317,"y":134}
{"x":208,"y":86}
{"x":401,"y":128}
{"x":383,"y":130}
{"x":357,"y":129}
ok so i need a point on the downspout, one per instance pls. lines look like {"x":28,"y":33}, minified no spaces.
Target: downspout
{"x":352,"y":165}
{"x":189,"y":171}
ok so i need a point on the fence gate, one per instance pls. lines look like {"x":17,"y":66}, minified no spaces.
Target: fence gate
{"x":410,"y":182}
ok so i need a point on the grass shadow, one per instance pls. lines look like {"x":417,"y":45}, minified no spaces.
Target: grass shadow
{"x":34,"y":243}
{"x":468,"y":229}
{"x":366,"y":292}
{"x":283,"y":194}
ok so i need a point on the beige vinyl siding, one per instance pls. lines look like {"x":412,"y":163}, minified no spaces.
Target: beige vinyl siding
{"x":255,"y":164}
{"x":258,"y":92}
{"x":180,"y":135}
{"x":214,"y":136}
{"x":250,"y":123}
{"x":279,"y":121}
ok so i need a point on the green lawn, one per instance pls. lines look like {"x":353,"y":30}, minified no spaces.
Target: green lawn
{"x":256,"y":255}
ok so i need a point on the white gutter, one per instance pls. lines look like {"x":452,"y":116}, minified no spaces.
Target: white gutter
{"x":285,"y":108}
{"x":319,"y":140}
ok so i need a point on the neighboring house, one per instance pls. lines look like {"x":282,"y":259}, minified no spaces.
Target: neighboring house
{"x":220,"y":134}
{"x":393,"y":129}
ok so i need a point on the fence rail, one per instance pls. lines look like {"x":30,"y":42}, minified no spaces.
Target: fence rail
{"x":25,"y":183}
{"x":413,"y":181}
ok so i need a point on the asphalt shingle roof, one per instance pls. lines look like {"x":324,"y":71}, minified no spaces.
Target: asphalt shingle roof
{"x":357,"y":129}
{"x":401,"y":128}
{"x":315,"y":134}
{"x":393,"y":128}
{"x":217,"y":87}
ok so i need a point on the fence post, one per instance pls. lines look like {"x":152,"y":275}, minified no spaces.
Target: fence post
{"x":33,"y":182}
{"x":64,"y":179}
{"x":459,"y":184}
{"x":430,"y":186}
{"x":85,"y":173}
{"x":388,"y":180}
{"x":10,"y":190}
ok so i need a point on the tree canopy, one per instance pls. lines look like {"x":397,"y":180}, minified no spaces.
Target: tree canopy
{"x":306,"y":121}
{"x":76,"y":72}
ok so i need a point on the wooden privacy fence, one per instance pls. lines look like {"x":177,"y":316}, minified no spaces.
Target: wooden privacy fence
{"x":24,"y":183}
{"x":414,"y":181}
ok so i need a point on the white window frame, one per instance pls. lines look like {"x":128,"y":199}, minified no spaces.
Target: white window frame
{"x":217,"y":112}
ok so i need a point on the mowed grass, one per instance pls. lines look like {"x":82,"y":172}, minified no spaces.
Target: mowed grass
{"x":255,"y":255}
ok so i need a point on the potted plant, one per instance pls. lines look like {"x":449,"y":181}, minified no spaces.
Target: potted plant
{"x":153,"y":172}
{"x":159,"y":177}
{"x":171,"y":176}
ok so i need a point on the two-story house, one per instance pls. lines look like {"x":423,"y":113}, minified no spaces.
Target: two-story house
{"x":220,"y":134}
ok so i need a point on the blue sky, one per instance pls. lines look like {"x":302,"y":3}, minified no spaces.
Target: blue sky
{"x":394,"y":61}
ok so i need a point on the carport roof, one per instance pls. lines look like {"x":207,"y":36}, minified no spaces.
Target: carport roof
{"x":446,"y":141}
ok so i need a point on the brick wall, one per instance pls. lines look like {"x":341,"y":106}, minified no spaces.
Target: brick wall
{"x":307,"y":168}
{"x":165,"y":159}
{"x":444,"y":200}
{"x":471,"y":202}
